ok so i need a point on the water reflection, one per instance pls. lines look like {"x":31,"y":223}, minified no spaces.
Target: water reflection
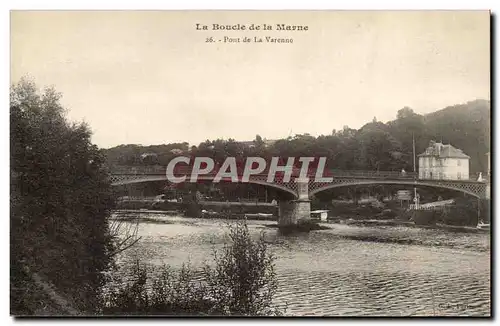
{"x":330,"y":273}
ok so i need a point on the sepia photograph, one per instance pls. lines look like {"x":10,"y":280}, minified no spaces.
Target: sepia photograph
{"x":285,"y":163}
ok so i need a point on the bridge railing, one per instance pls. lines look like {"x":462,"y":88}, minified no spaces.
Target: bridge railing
{"x":372,"y":174}
{"x":472,"y":177}
{"x":161,"y":170}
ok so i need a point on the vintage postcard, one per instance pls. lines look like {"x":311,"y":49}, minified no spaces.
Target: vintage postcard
{"x":250,"y":163}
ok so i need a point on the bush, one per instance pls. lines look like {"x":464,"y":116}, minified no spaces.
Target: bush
{"x":60,"y":198}
{"x":158,"y":292}
{"x":463,"y":213}
{"x":241,"y":282}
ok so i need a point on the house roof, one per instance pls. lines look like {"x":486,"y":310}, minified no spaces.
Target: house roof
{"x":443,"y":151}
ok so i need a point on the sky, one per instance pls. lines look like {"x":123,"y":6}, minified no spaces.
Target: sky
{"x":150,"y":77}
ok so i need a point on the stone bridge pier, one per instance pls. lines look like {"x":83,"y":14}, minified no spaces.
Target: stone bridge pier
{"x":293,"y":212}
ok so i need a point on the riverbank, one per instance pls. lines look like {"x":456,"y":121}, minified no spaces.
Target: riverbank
{"x":396,"y":223}
{"x":356,"y":220}
{"x":209,"y":208}
{"x":387,"y":214}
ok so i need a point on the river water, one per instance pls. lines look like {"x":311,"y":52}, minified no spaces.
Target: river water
{"x":346,"y":270}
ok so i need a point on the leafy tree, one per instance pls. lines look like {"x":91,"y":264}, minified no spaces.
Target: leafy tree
{"x":243,"y":281}
{"x":60,"y":199}
{"x":259,"y":143}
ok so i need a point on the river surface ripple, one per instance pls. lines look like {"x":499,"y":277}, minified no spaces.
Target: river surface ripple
{"x":343,"y":271}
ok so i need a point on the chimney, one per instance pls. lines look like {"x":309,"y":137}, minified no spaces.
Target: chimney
{"x":432,"y":147}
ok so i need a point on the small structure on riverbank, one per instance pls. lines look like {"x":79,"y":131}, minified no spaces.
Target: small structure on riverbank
{"x":436,"y":205}
{"x":319,"y":214}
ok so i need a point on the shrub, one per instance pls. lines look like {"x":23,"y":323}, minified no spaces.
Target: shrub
{"x":157,"y":292}
{"x":463,"y":213}
{"x":241,"y":282}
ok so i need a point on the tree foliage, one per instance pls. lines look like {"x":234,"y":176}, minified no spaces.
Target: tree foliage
{"x":60,"y":199}
{"x":375,"y":146}
{"x":243,"y":281}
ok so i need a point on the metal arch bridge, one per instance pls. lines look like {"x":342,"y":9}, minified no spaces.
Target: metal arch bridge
{"x":341,"y":178}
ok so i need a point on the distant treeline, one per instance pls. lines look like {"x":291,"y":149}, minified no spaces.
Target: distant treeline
{"x":375,"y":146}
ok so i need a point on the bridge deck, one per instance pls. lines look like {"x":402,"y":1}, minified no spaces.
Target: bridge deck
{"x":124,"y":175}
{"x":388,"y":175}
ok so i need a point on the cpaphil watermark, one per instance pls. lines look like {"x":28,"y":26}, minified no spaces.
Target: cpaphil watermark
{"x":182,"y":169}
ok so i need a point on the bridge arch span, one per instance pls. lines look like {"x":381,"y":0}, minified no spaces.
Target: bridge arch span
{"x":127,"y":180}
{"x":392,"y":182}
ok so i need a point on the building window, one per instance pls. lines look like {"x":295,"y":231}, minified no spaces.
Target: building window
{"x":459,"y":162}
{"x":459,"y":175}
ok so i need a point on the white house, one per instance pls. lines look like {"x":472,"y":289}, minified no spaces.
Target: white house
{"x":441,"y":162}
